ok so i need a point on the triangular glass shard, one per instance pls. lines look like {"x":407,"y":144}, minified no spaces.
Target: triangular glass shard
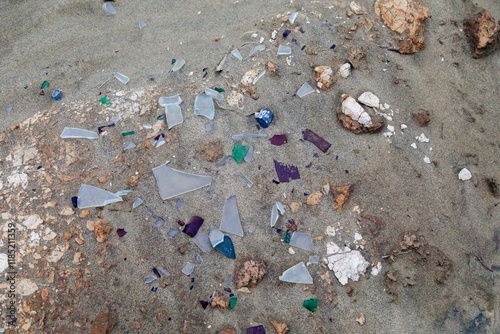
{"x":297,"y":274}
{"x":204,"y":106}
{"x":142,"y":24}
{"x":173,"y":115}
{"x":302,"y":240}
{"x":214,"y":94}
{"x":178,"y":65}
{"x":128,"y":146}
{"x":92,"y":197}
{"x":108,"y":8}
{"x":304,"y":90}
{"x":137,"y":202}
{"x":172,"y":182}
{"x":203,"y":242}
{"x":121,"y":193}
{"x":78,"y":133}
{"x":121,"y":77}
{"x":258,"y":77}
{"x":164,"y":100}
{"x":226,"y":248}
{"x":231,"y":222}
{"x":292,"y":17}
{"x":248,"y":157}
{"x":284,"y":50}
{"x":236,"y":53}
{"x":278,"y":206}
{"x":216,"y":236}
{"x":257,"y":48}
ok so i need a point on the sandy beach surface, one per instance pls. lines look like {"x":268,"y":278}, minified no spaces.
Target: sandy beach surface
{"x":428,"y":242}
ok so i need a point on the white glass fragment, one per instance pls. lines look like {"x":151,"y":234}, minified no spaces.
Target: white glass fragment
{"x":297,"y":274}
{"x":172,"y":182}
{"x":121,"y":77}
{"x":231,"y":222}
{"x":78,"y":133}
{"x":91,"y":197}
{"x":284,"y":50}
{"x":173,"y":115}
{"x":164,"y":100}
{"x":236,"y":53}
{"x":302,"y":240}
{"x":204,"y":106}
{"x":178,"y":65}
{"x":304,"y":90}
{"x":257,"y":48}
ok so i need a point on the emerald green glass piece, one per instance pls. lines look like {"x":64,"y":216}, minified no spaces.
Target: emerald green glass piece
{"x":129,"y":133}
{"x":44,"y":85}
{"x":220,"y":90}
{"x":311,"y":304}
{"x":239,"y":152}
{"x":232,"y":302}
{"x":287,"y":237}
{"x":104,"y":100}
{"x":173,"y":61}
{"x":161,"y":117}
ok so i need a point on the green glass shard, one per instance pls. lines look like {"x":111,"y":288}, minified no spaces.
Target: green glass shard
{"x":45,"y":84}
{"x":161,"y":117}
{"x":232,"y":302}
{"x":287,"y":237}
{"x":129,"y":133}
{"x":173,"y":61}
{"x":239,"y":152}
{"x":311,"y":304}
{"x":220,"y":90}
{"x":104,"y":100}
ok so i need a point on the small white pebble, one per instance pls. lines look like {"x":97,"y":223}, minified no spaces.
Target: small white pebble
{"x":427,"y":160}
{"x":464,"y":175}
{"x":404,"y":126}
{"x":291,"y":251}
{"x":414,"y":145}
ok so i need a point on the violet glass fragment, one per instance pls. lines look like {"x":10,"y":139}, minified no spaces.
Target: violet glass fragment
{"x":278,"y":140}
{"x":317,"y":140}
{"x":193,"y":226}
{"x":121,"y":232}
{"x":286,"y":172}
{"x":172,"y":182}
{"x":204,"y":304}
{"x":256,"y":330}
{"x":231,"y":222}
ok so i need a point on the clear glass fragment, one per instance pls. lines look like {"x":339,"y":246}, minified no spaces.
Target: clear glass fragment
{"x":128,"y":146}
{"x":172,"y":182}
{"x":247,"y":180}
{"x":178,"y":65}
{"x":203,"y":242}
{"x":137,"y":202}
{"x":188,"y":268}
{"x":284,"y":50}
{"x":204,"y":106}
{"x":172,"y":232}
{"x":91,"y":197}
{"x":142,"y":24}
{"x":313,"y":259}
{"x":302,"y":240}
{"x":78,"y":133}
{"x":216,"y":236}
{"x":231,"y":222}
{"x":248,"y":136}
{"x":257,"y":48}
{"x":248,"y":156}
{"x":292,"y":17}
{"x":304,"y":90}
{"x":236,"y":53}
{"x":274,"y":212}
{"x":121,"y":77}
{"x":150,"y":279}
{"x":214,"y":94}
{"x":258,"y":77}
{"x":163,"y":271}
{"x":164,"y":100}
{"x":108,"y":8}
{"x":173,"y":115}
{"x":297,"y":274}
{"x":199,"y":259}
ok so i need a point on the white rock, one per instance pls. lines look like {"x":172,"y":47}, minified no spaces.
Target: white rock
{"x":346,"y":264}
{"x":390,"y":128}
{"x":355,"y":111}
{"x":464,"y":175}
{"x":26,"y":287}
{"x":422,"y":138}
{"x":404,"y":126}
{"x":376,"y":268}
{"x":357,"y":8}
{"x":413,"y":145}
{"x":345,"y":70}
{"x":49,"y":234}
{"x":17,"y":179}
{"x":34,"y":239}
{"x":67,"y":211}
{"x":56,"y":254}
{"x":32,"y":222}
{"x":427,"y":160}
{"x":4,"y":262}
{"x":357,"y":236}
{"x":365,"y":119}
{"x":369,"y":99}
{"x":330,"y":230}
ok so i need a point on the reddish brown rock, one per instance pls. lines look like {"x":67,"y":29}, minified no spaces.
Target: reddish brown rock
{"x":482,"y":32}
{"x":103,"y":323}
{"x":248,"y":272}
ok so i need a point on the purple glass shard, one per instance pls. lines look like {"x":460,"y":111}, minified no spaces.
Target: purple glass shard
{"x":256,"y":330}
{"x":204,"y":304}
{"x":193,"y":226}
{"x":317,"y":140}
{"x":286,"y":172}
{"x":278,"y":140}
{"x":121,"y":232}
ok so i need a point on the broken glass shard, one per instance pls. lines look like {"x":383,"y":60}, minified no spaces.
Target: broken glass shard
{"x":304,"y":90}
{"x":256,"y":330}
{"x":258,"y":77}
{"x":214,"y":94}
{"x":278,"y":206}
{"x":193,"y":226}
{"x":247,"y":180}
{"x":108,"y":8}
{"x":172,"y":182}
{"x":173,"y":115}
{"x":317,"y":140}
{"x":311,"y":304}
{"x":231,"y":222}
{"x":292,"y":17}
{"x":239,"y":152}
{"x":297,"y":274}
{"x":248,"y":136}
{"x":142,"y":24}
{"x":232,"y":302}
{"x":178,"y":65}
{"x":248,"y":156}
{"x":203,"y":242}
{"x":278,"y":140}
{"x":163,"y":271}
{"x":222,"y":162}
{"x":78,"y":133}
{"x":257,"y":48}
{"x":204,"y":106}
{"x":226,"y":248}
{"x":172,"y":232}
{"x":178,"y":204}
{"x":9,"y":107}
{"x":236,"y":53}
{"x":264,"y":117}
{"x":313,"y":259}
{"x":286,"y":172}
{"x":91,"y":197}
{"x":199,"y":259}
{"x":150,"y":279}
{"x":302,"y":240}
{"x":104,"y":100}
{"x":121,"y":77}
{"x":286,"y":238}
{"x":122,"y":193}
{"x":209,"y":126}
{"x":188,"y":268}
{"x":160,"y":141}
{"x":128,"y":146}
{"x":121,"y":232}
{"x":137,"y":202}
{"x":216,"y":236}
{"x":165,"y":100}
{"x":284,"y":50}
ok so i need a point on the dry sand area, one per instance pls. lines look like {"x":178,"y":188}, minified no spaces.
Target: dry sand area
{"x":404,"y":245}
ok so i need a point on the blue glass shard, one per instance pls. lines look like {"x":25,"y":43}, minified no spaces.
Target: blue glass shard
{"x":226,"y":248}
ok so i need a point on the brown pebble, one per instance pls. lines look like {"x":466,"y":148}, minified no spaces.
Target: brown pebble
{"x":349,"y":291}
{"x":67,"y":236}
{"x":421,"y":118}
{"x":132,"y":180}
{"x":147,"y":144}
{"x":183,"y":248}
{"x":314,"y":198}
{"x":102,"y":179}
{"x":84,"y":213}
{"x":213,"y":151}
{"x":136,"y":325}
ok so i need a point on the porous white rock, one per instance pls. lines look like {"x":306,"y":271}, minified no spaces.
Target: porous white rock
{"x":346,"y":263}
{"x":369,"y":99}
{"x":345,"y":70}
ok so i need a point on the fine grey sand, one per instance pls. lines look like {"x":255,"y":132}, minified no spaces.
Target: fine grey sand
{"x":73,"y":271}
